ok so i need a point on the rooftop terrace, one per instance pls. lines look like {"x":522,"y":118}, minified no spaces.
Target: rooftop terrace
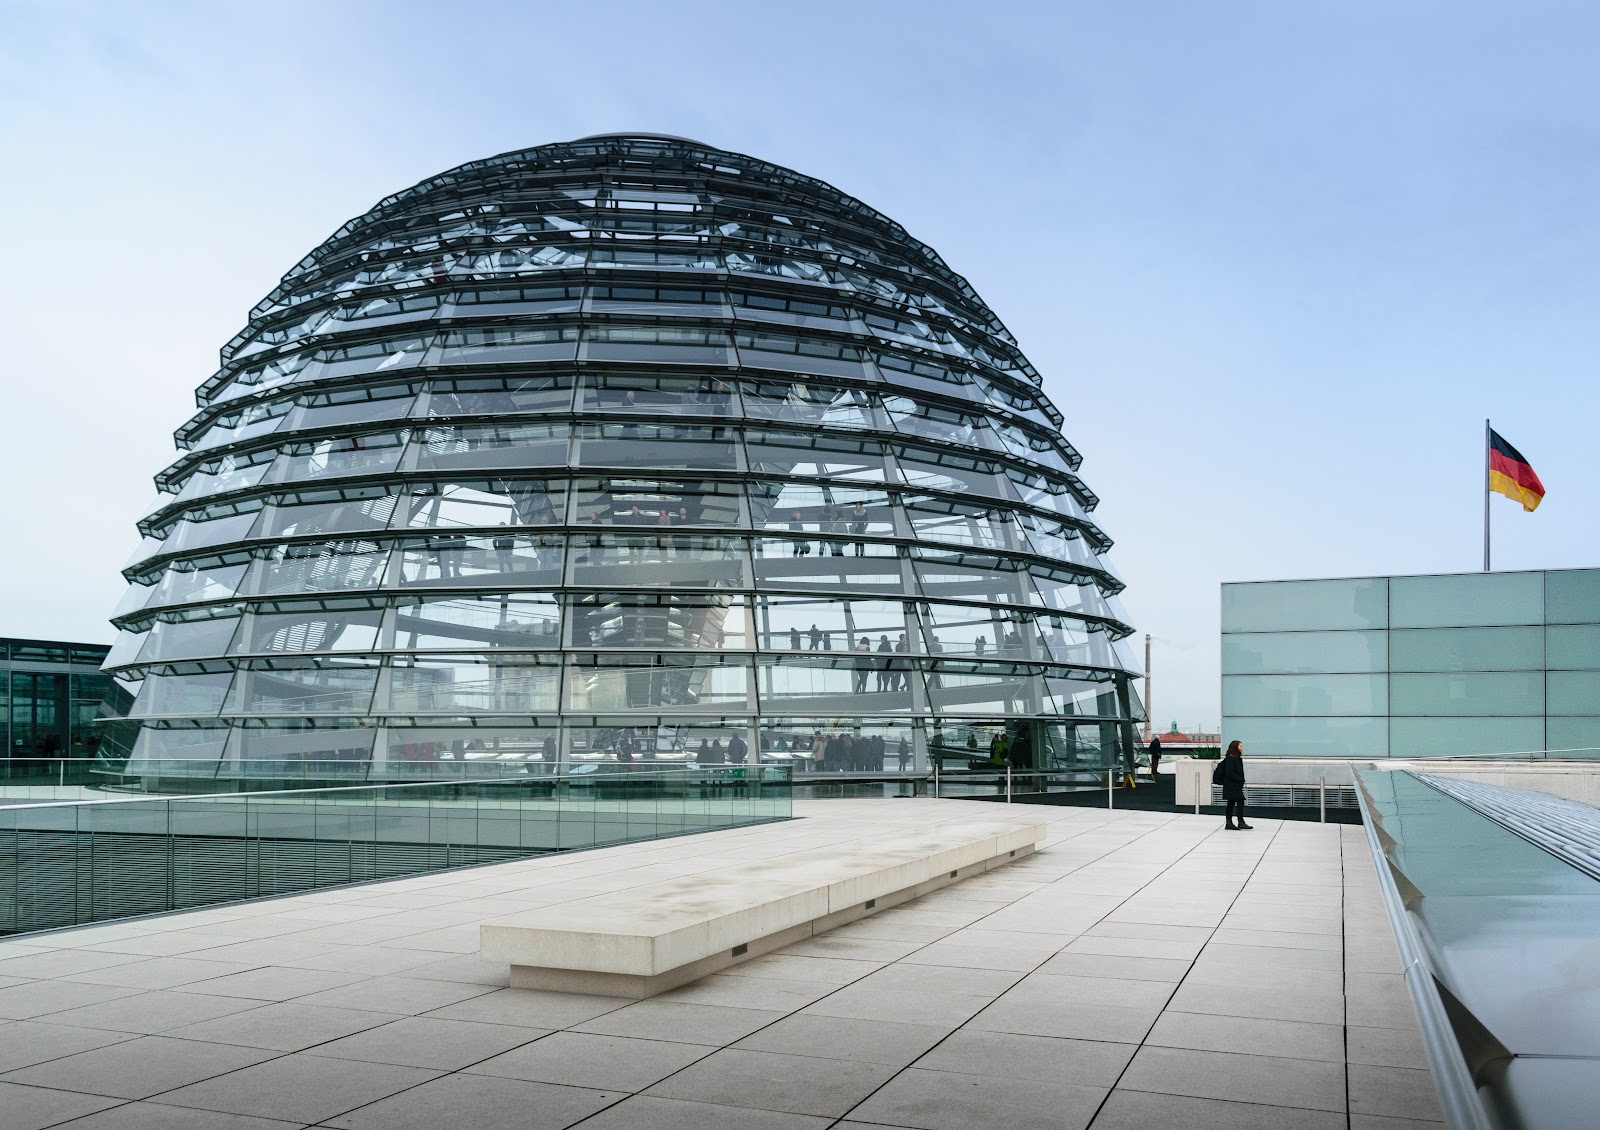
{"x":1143,"y":969}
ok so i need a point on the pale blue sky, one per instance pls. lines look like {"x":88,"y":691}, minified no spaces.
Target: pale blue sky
{"x":1277,"y":260}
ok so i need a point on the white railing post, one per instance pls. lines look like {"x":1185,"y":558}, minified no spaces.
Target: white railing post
{"x":1008,"y":784}
{"x":1322,"y":800}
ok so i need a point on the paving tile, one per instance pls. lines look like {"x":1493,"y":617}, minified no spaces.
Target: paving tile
{"x":1167,"y":948}
{"x":406,"y":996}
{"x":299,"y":1088}
{"x":710,"y":1024}
{"x":140,"y":1068}
{"x":794,"y":967}
{"x":1263,"y":1002}
{"x":1075,"y":964}
{"x":469,"y":969}
{"x":40,"y":998}
{"x":1034,"y":1017}
{"x":1265,"y":1080}
{"x":1006,"y":1055}
{"x":1380,"y":1122}
{"x":532,"y":1008}
{"x":647,"y":1112}
{"x":1073,"y":991}
{"x":766,"y":1081}
{"x":950,"y":955}
{"x":272,"y":983}
{"x":1249,"y":1036}
{"x":1331,"y":924}
{"x":1280,"y":939}
{"x":945,"y":1100}
{"x":60,"y":963}
{"x":152,"y":1013}
{"x":988,"y":983}
{"x":582,"y":1059}
{"x":1394,"y":1092}
{"x":283,"y":1027}
{"x":158,"y":1116}
{"x":31,"y":1108}
{"x":159,"y":972}
{"x":24,"y":1043}
{"x":1218,"y":953}
{"x":1380,"y":1047}
{"x":1266,"y":975}
{"x":422,"y":1041}
{"x":749,"y":992}
{"x":481,"y":1103}
{"x":375,"y":961}
{"x":900,"y":1006}
{"x":842,"y":1037}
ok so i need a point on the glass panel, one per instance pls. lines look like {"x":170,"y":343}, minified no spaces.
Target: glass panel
{"x":835,"y":684}
{"x":328,"y":458}
{"x":487,"y":502}
{"x":984,"y":633}
{"x":457,"y":560}
{"x":1576,"y":646}
{"x":1573,"y":733}
{"x":615,"y":561}
{"x":473,"y":743}
{"x":485,"y":446}
{"x":824,"y":624}
{"x":664,"y":447}
{"x":192,"y":639}
{"x":157,"y":746}
{"x":289,"y":747}
{"x":665,"y":345}
{"x":955,"y":688}
{"x":1310,"y":737}
{"x":1466,"y":600}
{"x":290,"y":687}
{"x":303,"y":567}
{"x":1468,"y":692}
{"x":1573,"y":692}
{"x":199,"y":695}
{"x":533,"y":395}
{"x":656,"y":394}
{"x":352,"y":511}
{"x":956,"y":578}
{"x":1265,"y":653}
{"x":609,"y":684}
{"x":184,"y":584}
{"x":506,"y":345}
{"x":657,"y":503}
{"x":455,"y":684}
{"x":788,"y":564}
{"x":1467,"y":649}
{"x":311,"y":630}
{"x":817,"y":456}
{"x":1287,"y":606}
{"x":1304,"y":695}
{"x":643,"y":621}
{"x":1573,"y":596}
{"x":189,"y":535}
{"x":1446,"y":737}
{"x":479,"y":620}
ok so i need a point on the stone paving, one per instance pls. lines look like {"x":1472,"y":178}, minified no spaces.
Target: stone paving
{"x":1141,"y":970}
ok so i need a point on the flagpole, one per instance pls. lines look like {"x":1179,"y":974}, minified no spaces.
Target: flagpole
{"x":1486,"y":434}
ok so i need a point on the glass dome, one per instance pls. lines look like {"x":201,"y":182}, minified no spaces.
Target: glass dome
{"x":624,"y":449}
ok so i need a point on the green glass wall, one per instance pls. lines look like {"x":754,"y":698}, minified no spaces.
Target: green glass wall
{"x":50,"y":693}
{"x":1427,"y":666}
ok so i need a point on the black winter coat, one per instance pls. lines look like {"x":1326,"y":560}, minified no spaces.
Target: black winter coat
{"x":1233,"y":778}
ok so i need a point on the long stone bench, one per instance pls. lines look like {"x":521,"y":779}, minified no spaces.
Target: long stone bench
{"x":643,"y":941}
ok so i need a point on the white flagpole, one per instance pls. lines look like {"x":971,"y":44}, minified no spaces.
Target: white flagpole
{"x":1486,"y":445}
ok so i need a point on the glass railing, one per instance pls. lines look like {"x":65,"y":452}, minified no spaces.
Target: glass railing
{"x":68,"y":862}
{"x":39,"y":779}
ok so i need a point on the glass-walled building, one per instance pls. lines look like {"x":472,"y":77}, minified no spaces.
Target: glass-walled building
{"x":623,"y":449}
{"x":51,"y":693}
{"x":1426,"y":666}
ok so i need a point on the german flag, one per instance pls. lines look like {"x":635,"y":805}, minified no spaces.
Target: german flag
{"x":1510,"y":474}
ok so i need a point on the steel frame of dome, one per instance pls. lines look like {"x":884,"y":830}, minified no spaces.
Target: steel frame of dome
{"x":620,"y":448}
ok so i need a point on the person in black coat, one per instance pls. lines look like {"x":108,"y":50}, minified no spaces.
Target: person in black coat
{"x":1233,"y":786}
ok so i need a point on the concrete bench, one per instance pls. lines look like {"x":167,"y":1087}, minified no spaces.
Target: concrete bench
{"x":643,"y":941}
